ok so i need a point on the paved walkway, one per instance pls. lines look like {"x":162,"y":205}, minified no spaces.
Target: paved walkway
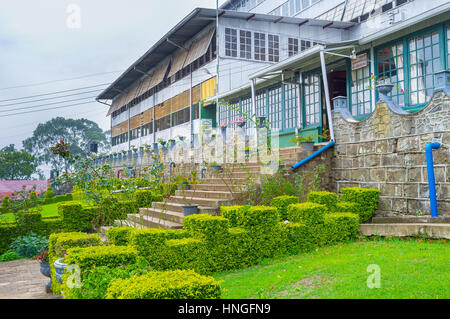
{"x":22,"y":279}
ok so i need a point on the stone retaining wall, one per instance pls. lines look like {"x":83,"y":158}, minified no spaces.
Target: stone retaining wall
{"x":387,"y":151}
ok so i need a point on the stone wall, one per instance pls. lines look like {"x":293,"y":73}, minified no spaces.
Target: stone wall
{"x":387,"y":151}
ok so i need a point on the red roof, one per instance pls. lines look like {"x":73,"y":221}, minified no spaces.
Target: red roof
{"x":9,"y":187}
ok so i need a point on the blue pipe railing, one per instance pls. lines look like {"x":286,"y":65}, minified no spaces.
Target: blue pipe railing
{"x":310,"y":157}
{"x":431,"y":181}
{"x":129,"y":168}
{"x":202,"y":172}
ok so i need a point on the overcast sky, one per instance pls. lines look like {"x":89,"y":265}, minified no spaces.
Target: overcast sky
{"x":40,"y":42}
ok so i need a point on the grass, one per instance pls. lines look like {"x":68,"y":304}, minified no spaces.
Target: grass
{"x":49,"y":210}
{"x":409,"y":269}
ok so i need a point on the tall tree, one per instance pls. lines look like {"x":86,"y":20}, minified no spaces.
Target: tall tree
{"x":77,"y":133}
{"x":16,"y":165}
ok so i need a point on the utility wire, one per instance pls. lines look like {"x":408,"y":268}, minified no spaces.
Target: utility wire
{"x":53,"y":93}
{"x":47,"y":104}
{"x":61,"y":80}
{"x":48,"y":109}
{"x":50,"y":98}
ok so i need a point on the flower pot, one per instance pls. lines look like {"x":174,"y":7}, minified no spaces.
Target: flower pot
{"x":155,"y":147}
{"x":307,"y":146}
{"x":216,"y":168}
{"x":59,"y":269}
{"x":190,"y":210}
{"x":261,"y":120}
{"x":241,"y":124}
{"x":181,"y":138}
{"x":45,"y":270}
{"x":171,"y":144}
{"x":385,"y":88}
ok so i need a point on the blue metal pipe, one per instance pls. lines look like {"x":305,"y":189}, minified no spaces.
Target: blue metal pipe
{"x":310,"y":157}
{"x":129,"y":168}
{"x":203,"y":174}
{"x":431,"y":181}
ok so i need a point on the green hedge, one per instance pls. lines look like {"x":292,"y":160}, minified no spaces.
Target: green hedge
{"x":297,"y":237}
{"x":205,"y":225}
{"x":282,"y":203}
{"x":330,"y":200}
{"x":177,"y":284}
{"x":120,"y":236}
{"x":366,"y":199}
{"x":341,"y":226}
{"x":144,"y":198}
{"x":75,"y":217}
{"x":231,"y":213}
{"x":307,"y":213}
{"x":59,"y":243}
{"x":258,"y":217}
{"x":185,"y":253}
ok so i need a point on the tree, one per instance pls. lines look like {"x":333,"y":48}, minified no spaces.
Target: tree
{"x":16,"y":165}
{"x":76,"y":133}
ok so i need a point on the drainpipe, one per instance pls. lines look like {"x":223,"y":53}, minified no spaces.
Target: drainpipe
{"x":431,"y":181}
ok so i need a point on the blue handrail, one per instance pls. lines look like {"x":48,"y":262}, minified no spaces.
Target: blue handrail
{"x":310,"y":157}
{"x":129,"y":168}
{"x":203,"y":170}
{"x":431,"y":181}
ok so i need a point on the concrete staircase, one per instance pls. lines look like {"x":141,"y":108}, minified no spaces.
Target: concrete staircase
{"x":408,"y":226}
{"x":214,"y":190}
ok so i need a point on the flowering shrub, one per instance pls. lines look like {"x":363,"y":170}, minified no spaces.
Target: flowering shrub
{"x":42,"y":257}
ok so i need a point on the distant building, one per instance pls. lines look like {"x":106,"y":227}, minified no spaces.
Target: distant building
{"x":8,"y":188}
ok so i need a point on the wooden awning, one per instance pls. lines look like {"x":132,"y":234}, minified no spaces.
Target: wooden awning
{"x":178,"y":62}
{"x":199,"y":47}
{"x":158,"y":75}
{"x":116,"y":104}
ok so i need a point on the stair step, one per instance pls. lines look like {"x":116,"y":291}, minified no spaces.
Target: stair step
{"x":411,"y":220}
{"x":431,"y":230}
{"x":127,"y":223}
{"x":224,"y":181}
{"x":216,"y":187}
{"x":208,"y":202}
{"x":153,"y":222}
{"x":204,"y":194}
{"x":178,"y":207}
{"x":162,"y":214}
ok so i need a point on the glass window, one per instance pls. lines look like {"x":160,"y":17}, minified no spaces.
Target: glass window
{"x":291,"y":105}
{"x":390,"y":69}
{"x":448,"y":47}
{"x":312,"y":98}
{"x":361,"y":92}
{"x":261,"y":109}
{"x":260,"y":46}
{"x":274,"y":48}
{"x":424,"y":61}
{"x":246,"y":110}
{"x":230,"y":42}
{"x":292,"y":46}
{"x":305,"y":4}
{"x":305,"y":44}
{"x":245,"y":40}
{"x":275,"y":107}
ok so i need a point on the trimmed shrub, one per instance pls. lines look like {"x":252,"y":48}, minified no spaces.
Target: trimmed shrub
{"x":29,"y":246}
{"x":282,"y":202}
{"x":298,"y":237}
{"x":341,"y":227}
{"x":231,"y":213}
{"x":95,"y":256}
{"x":150,"y":243}
{"x":75,"y":218}
{"x":120,"y":236}
{"x":367,"y":199}
{"x":260,"y":217}
{"x":325,"y":198}
{"x":307,"y":213}
{"x":205,"y":226}
{"x":6,"y":202}
{"x":49,"y":193}
{"x":8,"y":256}
{"x":69,"y":197}
{"x":59,"y":243}
{"x":347,"y":207}
{"x":143,"y":198}
{"x":33,"y":198}
{"x":176,"y":284}
{"x":185,"y":253}
{"x":7,"y":233}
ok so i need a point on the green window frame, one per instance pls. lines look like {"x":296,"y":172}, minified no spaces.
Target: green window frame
{"x":246,"y":110}
{"x":291,"y":105}
{"x":261,"y":101}
{"x":275,"y":107}
{"x":424,"y":60}
{"x":447,"y":30}
{"x":312,"y":99}
{"x":360,"y":91}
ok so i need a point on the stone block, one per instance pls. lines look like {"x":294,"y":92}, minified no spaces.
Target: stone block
{"x":378,"y":174}
{"x":400,"y":205}
{"x":360,"y":175}
{"x":385,"y":204}
{"x":397,"y":175}
{"x":391,"y":189}
{"x":393,"y":159}
{"x":411,"y":190}
{"x":372,"y":160}
{"x":415,"y":174}
{"x":381,"y":146}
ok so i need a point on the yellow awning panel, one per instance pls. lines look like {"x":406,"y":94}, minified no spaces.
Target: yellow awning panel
{"x":208,"y":89}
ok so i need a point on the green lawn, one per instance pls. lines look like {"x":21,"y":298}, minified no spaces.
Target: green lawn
{"x":409,"y":269}
{"x":49,"y":210}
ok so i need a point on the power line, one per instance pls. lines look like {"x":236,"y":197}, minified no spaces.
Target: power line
{"x":61,"y":80}
{"x":48,"y":109}
{"x":50,"y":98}
{"x":53,"y":93}
{"x":47,"y":104}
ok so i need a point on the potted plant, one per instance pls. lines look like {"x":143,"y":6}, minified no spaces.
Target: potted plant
{"x":171,"y":143}
{"x":240,"y":121}
{"x":181,"y":138}
{"x":45,"y":268}
{"x":216,"y":168}
{"x":155,"y":147}
{"x":306,"y":142}
{"x":162,"y":142}
{"x":59,"y":269}
{"x":261,"y":121}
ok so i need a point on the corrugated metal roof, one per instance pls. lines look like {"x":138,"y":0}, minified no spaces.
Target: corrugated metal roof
{"x":186,"y":29}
